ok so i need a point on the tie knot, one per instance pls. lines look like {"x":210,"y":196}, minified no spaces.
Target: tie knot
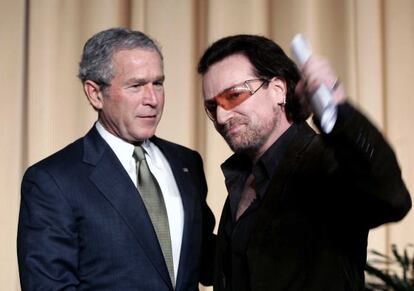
{"x":139,"y":153}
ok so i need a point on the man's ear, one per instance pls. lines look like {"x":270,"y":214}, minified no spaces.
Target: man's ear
{"x":279,"y":84}
{"x":94,"y":94}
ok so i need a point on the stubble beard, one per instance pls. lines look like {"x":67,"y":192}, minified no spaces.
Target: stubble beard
{"x":253,"y":136}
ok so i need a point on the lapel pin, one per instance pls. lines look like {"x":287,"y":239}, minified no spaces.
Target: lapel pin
{"x":185,"y":170}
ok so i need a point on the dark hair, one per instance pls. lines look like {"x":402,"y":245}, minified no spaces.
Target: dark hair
{"x":268,"y":61}
{"x":96,"y":61}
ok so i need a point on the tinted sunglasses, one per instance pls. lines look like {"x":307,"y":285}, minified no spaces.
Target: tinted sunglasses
{"x":232,"y":97}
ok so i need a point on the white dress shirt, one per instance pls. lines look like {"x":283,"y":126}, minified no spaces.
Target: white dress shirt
{"x":161,"y":170}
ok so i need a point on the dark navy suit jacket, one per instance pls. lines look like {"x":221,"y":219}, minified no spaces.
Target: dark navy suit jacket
{"x":84,"y":226}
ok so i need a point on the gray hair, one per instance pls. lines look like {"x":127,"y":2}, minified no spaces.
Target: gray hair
{"x":96,"y":61}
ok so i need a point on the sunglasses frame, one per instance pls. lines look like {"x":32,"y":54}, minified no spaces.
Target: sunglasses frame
{"x":211,"y":105}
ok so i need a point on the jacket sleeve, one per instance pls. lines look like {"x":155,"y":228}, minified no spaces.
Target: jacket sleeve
{"x":209,"y":238}
{"x":369,"y":169}
{"x":47,"y":246}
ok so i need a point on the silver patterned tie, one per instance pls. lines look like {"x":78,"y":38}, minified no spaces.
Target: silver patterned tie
{"x":154,"y":202}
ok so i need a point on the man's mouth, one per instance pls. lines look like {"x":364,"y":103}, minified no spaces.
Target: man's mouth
{"x":147,"y":116}
{"x":231,"y":129}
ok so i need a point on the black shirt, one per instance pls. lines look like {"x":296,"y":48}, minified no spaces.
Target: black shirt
{"x":237,"y":233}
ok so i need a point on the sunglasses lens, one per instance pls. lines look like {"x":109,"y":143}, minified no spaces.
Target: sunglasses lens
{"x":233,"y":97}
{"x":227,"y":99}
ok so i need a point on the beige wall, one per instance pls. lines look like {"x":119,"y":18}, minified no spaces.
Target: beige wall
{"x":370,"y":43}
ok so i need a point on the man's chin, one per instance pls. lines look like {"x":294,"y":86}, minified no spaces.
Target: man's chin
{"x":240,"y":147}
{"x":236,"y":147}
{"x":143,"y":135}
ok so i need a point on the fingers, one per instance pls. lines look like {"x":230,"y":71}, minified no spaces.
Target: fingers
{"x":317,"y":71}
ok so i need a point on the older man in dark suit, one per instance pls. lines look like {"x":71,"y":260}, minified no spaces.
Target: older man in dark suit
{"x":300,"y":204}
{"x":118,"y":209}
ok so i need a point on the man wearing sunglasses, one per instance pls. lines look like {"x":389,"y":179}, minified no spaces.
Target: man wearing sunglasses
{"x":300,"y":204}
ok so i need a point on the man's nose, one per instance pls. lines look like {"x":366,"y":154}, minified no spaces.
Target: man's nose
{"x":150,"y":95}
{"x":222,"y":115}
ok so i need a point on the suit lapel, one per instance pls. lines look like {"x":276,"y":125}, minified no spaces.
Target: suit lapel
{"x":285,"y":169}
{"x":114,"y":183}
{"x":181,"y":175}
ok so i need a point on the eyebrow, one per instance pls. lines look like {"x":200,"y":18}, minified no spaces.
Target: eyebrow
{"x":144,"y":80}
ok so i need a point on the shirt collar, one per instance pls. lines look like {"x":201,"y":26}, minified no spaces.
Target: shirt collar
{"x":122,"y":149}
{"x":274,"y":154}
{"x":240,"y":165}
